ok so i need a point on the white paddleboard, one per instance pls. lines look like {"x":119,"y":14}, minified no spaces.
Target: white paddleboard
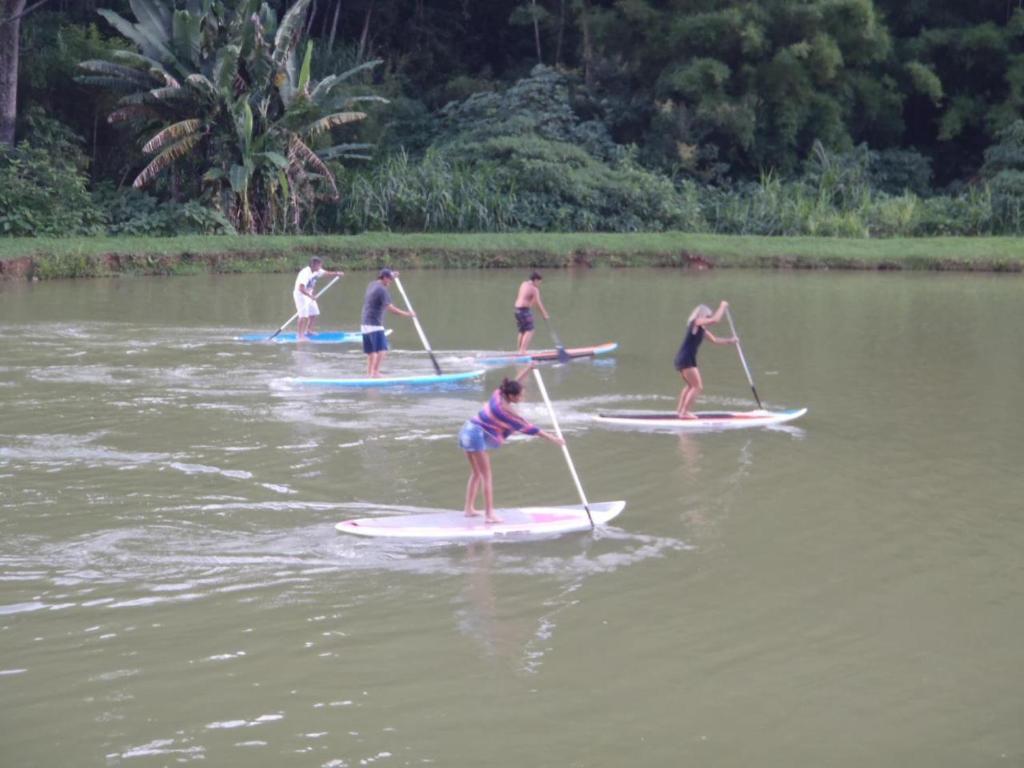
{"x":706,"y":420}
{"x":518,"y":522}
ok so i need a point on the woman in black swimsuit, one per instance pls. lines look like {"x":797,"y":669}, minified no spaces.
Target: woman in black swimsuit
{"x":686,"y":357}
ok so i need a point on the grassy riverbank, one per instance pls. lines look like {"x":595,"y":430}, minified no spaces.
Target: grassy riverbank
{"x":45,"y":258}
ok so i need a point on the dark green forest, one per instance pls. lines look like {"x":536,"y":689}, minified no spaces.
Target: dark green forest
{"x":854,"y":118}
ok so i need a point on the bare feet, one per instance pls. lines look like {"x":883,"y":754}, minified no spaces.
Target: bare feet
{"x":688,"y":416}
{"x":472,"y":513}
{"x":493,"y":519}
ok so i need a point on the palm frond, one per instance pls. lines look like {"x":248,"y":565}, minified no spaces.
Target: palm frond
{"x":203,"y":85}
{"x":153,"y":13}
{"x":187,"y":34}
{"x":150,"y":42}
{"x":332,"y":121}
{"x":289,"y":31}
{"x":342,"y":150}
{"x":135,"y":77}
{"x":171,"y":133}
{"x":130,"y":112}
{"x":324,"y":86}
{"x":166,"y":158}
{"x":298,"y":151}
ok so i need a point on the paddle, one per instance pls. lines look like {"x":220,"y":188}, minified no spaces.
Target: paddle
{"x":565,"y":449}
{"x":563,"y":356}
{"x":419,"y":328}
{"x":289,"y":321}
{"x":743,"y":360}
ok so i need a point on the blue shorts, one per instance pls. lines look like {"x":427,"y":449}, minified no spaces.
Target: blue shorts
{"x":377,"y":341}
{"x":473,"y":439}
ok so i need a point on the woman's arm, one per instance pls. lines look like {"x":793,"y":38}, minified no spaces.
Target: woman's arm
{"x":713,"y":318}
{"x":715,"y":340}
{"x":552,"y":437}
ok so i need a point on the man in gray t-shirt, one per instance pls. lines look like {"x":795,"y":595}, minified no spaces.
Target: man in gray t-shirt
{"x":376,"y":301}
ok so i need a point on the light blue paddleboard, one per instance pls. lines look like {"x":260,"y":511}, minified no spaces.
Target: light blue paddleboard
{"x":419,"y":380}
{"x":321,"y":337}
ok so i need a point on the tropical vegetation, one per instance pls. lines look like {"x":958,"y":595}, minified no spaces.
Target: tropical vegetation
{"x":859,"y":118}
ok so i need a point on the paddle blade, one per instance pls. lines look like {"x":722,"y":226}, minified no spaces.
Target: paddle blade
{"x":563,"y":356}
{"x":437,"y":368}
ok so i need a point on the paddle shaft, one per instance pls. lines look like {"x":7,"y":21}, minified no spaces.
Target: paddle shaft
{"x":419,"y":328}
{"x":743,"y":360}
{"x":289,"y":321}
{"x":565,"y":448}
{"x":563,"y":356}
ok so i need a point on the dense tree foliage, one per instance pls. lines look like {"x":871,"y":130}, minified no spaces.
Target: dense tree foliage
{"x":775,"y":116}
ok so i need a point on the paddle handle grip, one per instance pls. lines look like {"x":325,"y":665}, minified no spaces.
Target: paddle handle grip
{"x":743,"y":359}
{"x":419,"y":328}
{"x":290,"y":319}
{"x":565,"y":448}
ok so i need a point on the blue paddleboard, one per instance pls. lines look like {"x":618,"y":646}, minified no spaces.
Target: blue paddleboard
{"x":419,"y":380}
{"x":321,"y":337}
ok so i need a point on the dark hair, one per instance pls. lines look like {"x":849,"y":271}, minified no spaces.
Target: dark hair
{"x":510,"y":388}
{"x":316,"y":260}
{"x":385,"y":273}
{"x":536,"y":276}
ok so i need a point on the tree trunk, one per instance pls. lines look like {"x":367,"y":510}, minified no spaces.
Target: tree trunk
{"x":536,"y":32}
{"x":588,"y":45}
{"x":365,"y":36}
{"x":309,"y":20}
{"x":561,"y":32}
{"x":10,"y":34}
{"x":334,"y":27}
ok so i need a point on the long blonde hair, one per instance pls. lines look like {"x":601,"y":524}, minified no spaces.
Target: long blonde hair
{"x":701,"y":310}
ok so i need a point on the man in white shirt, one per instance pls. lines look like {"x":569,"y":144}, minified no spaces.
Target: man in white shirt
{"x":305,"y":295}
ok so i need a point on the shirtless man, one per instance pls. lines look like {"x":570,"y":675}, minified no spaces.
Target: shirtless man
{"x":529,"y":294}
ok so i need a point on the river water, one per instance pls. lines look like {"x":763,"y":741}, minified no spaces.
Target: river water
{"x":845,"y":591}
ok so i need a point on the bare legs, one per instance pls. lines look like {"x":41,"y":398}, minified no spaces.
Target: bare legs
{"x":303,"y":327}
{"x":692,"y":387}
{"x":524,"y":341}
{"x":480,"y":475}
{"x":373,"y":361}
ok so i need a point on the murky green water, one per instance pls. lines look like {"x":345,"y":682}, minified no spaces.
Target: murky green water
{"x":845,"y":592}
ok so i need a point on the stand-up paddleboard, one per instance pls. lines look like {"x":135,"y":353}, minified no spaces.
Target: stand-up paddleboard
{"x":705,"y":419}
{"x":423,"y":379}
{"x":520,"y":522}
{"x":548,"y":355}
{"x":321,"y":337}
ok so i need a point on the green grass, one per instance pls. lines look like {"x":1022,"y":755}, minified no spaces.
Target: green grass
{"x":56,"y":257}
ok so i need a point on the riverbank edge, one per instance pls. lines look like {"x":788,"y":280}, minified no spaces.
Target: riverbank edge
{"x":42,"y":259}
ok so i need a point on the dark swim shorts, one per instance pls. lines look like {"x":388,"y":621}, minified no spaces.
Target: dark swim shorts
{"x":377,"y":341}
{"x":524,"y":319}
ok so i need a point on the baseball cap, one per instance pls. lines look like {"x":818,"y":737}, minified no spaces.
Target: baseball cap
{"x":385,"y":273}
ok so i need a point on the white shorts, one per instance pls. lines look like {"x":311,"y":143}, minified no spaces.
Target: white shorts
{"x":305,"y":306}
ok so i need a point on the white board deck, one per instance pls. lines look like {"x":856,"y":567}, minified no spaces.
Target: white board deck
{"x":706,"y":420}
{"x":516,"y":522}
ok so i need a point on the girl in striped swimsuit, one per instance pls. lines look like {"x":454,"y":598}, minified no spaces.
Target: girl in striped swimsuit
{"x":487,"y":431}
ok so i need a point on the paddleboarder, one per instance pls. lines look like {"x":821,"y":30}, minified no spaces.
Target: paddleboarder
{"x":305,"y":297}
{"x":686,"y":357}
{"x":487,"y":431}
{"x":529,"y":294}
{"x":376,"y":301}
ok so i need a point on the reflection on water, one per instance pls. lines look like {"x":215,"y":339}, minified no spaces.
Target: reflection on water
{"x":172,"y":588}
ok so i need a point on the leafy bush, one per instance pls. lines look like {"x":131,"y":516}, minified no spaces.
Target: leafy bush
{"x":43,"y":184}
{"x":132,"y":212}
